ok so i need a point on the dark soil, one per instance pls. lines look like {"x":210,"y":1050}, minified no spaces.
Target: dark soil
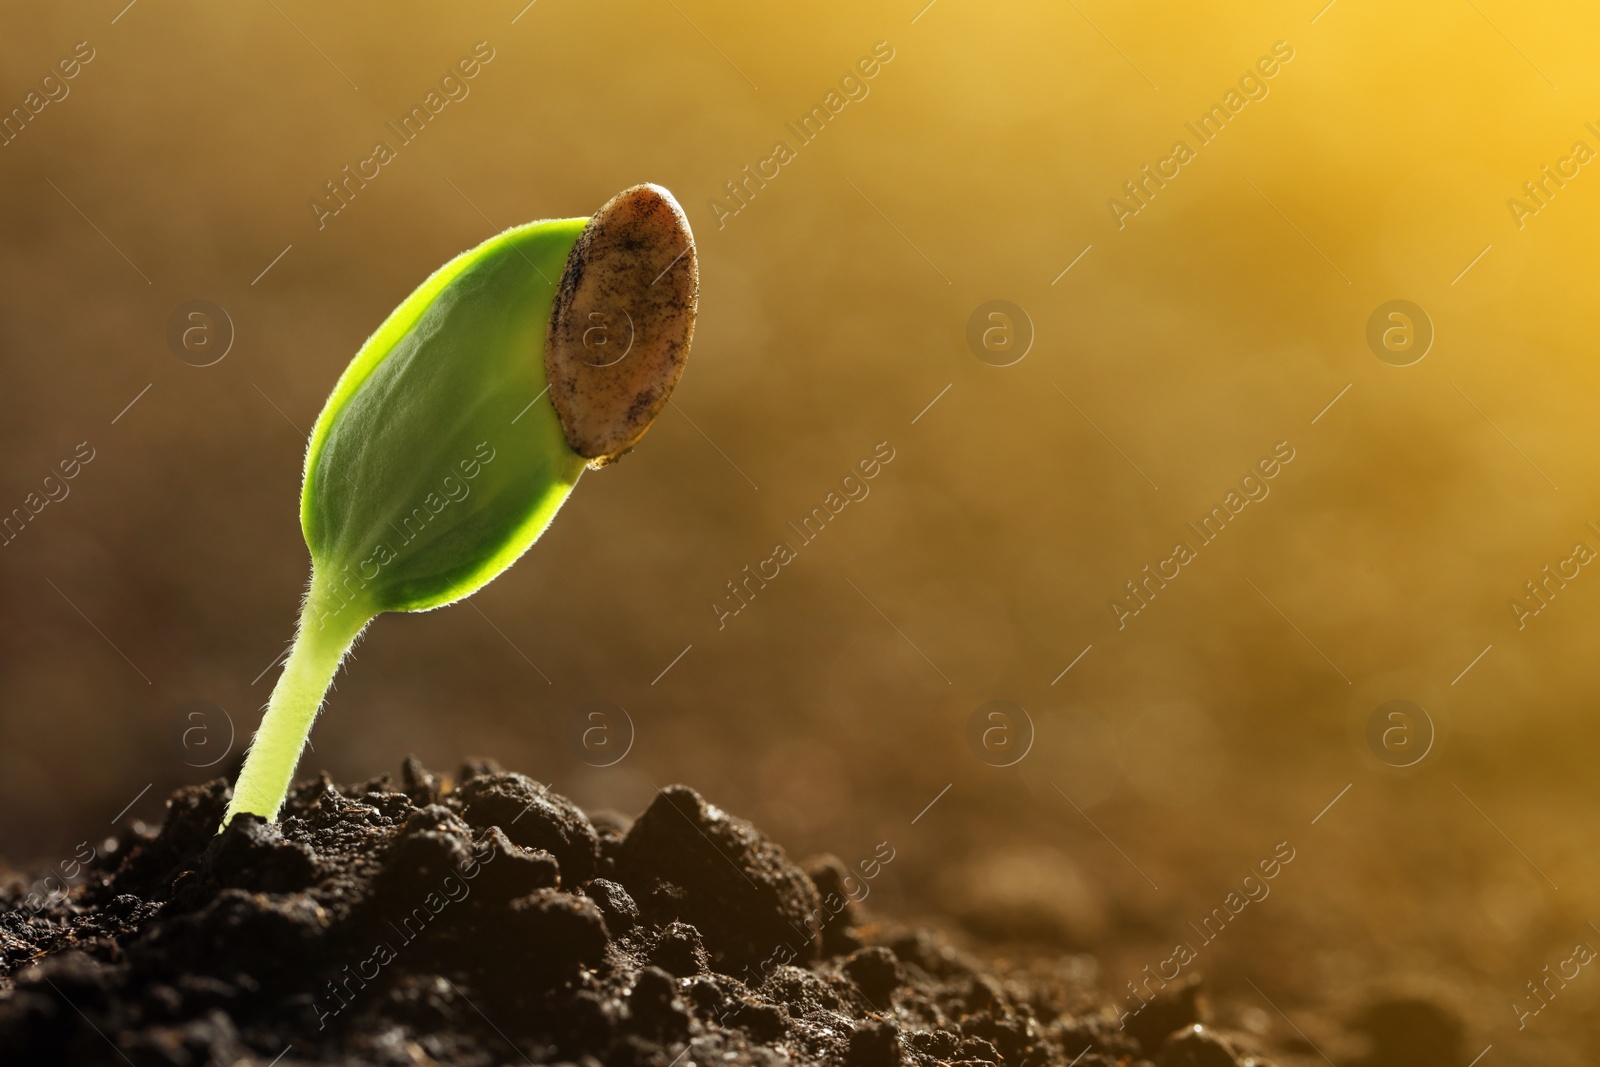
{"x":495,"y":923}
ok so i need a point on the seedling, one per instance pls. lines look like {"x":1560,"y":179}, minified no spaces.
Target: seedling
{"x":463,"y":423}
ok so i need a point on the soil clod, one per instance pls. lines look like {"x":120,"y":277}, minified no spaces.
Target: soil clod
{"x":493,"y":923}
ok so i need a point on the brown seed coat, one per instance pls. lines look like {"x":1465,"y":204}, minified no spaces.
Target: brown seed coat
{"x":621,"y":322}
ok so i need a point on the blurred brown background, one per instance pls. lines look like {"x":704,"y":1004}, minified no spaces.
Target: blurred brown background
{"x":1221,"y":319}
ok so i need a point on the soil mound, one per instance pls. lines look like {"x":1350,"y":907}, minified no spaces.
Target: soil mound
{"x":495,"y":923}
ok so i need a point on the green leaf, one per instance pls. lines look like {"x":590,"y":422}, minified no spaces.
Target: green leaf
{"x":438,"y":460}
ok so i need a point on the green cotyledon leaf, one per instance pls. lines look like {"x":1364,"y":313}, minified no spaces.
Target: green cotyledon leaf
{"x":436,"y":462}
{"x":465,"y":421}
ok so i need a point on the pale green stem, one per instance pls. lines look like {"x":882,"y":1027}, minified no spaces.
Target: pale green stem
{"x":327,"y":630}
